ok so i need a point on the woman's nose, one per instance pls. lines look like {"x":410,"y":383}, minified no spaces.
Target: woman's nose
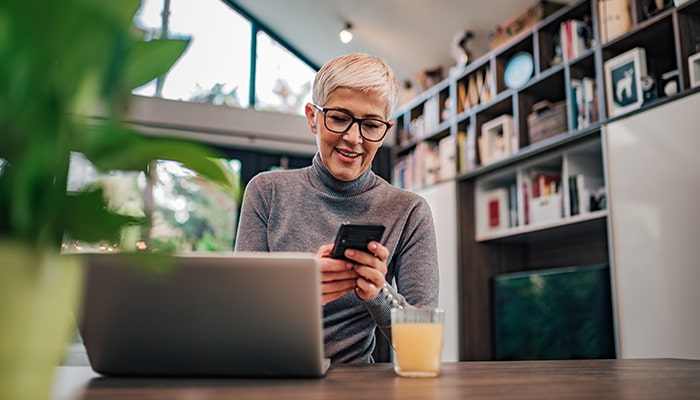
{"x":353,"y":134}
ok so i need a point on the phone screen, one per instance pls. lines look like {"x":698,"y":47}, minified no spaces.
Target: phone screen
{"x":356,"y":236}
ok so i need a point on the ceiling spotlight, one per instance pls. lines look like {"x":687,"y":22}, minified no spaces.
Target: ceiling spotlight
{"x":345,"y":34}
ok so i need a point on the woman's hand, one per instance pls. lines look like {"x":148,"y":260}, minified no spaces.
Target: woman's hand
{"x":338,"y":277}
{"x":370,"y":268}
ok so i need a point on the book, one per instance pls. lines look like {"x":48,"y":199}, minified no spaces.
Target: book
{"x":461,"y":153}
{"x":583,"y":192}
{"x":418,"y":166}
{"x":577,"y":104}
{"x":590,"y":100}
{"x":486,"y":90}
{"x":513,"y":205}
{"x":564,"y":40}
{"x":431,"y":115}
{"x":472,"y":92}
{"x":572,"y":38}
{"x":615,"y":18}
{"x":577,"y":38}
{"x":447,"y":155}
{"x":544,"y":182}
{"x":527,"y":195}
{"x":466,"y":145}
{"x":479,"y":80}
{"x":462,"y":100}
{"x":425,"y":165}
{"x":573,"y":196}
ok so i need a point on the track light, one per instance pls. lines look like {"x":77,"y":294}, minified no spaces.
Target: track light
{"x":345,"y":34}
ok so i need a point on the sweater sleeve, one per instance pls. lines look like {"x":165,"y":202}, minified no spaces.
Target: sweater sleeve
{"x":415,"y":268}
{"x":252,"y":223}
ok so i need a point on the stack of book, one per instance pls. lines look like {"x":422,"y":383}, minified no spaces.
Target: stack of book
{"x":574,"y":38}
{"x":584,"y":194}
{"x":585,"y":102}
{"x":427,"y":164}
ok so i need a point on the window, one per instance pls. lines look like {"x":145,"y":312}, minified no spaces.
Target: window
{"x":211,"y":70}
{"x":216,"y":67}
{"x":187,"y":213}
{"x":283,"y":82}
{"x":190,"y":214}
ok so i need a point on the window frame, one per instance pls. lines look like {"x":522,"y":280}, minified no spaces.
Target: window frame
{"x":256,"y":26}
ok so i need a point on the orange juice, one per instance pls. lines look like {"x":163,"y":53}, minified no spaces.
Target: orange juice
{"x":417,"y":348}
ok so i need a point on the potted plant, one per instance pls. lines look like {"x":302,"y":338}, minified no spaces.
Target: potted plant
{"x":61,"y":61}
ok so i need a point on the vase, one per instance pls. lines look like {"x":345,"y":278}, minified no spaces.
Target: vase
{"x":39,"y":298}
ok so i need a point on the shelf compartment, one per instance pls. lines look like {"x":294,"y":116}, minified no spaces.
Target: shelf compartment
{"x":475,"y":88}
{"x":496,"y":202}
{"x":495,"y":110}
{"x":539,"y":195}
{"x":524,"y":45}
{"x":549,"y":36}
{"x":552,"y":90}
{"x":689,"y":33}
{"x":654,"y":36}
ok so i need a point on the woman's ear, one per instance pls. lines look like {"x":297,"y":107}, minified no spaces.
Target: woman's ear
{"x":310,"y":112}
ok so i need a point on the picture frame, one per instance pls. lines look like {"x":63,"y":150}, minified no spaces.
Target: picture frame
{"x":623,"y":81}
{"x":497,"y":139}
{"x":494,"y":215}
{"x":694,"y":70}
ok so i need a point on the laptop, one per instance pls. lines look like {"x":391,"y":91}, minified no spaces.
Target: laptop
{"x":208,"y":314}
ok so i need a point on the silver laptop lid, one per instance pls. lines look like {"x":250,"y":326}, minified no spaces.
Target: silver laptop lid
{"x":208,"y":314}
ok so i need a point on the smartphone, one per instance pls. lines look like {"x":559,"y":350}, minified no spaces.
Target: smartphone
{"x":356,"y":236}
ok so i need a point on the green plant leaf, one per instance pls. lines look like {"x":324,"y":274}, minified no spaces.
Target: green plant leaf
{"x":149,"y":60}
{"x":88,"y":55}
{"x":122,"y":10}
{"x":86,"y":217}
{"x":116,"y":147}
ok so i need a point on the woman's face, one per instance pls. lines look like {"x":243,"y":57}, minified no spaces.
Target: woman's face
{"x":347,"y":155}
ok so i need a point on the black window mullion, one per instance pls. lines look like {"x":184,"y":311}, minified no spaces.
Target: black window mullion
{"x":253,"y":62}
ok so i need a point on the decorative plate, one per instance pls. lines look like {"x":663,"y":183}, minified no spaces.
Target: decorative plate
{"x":519,"y":70}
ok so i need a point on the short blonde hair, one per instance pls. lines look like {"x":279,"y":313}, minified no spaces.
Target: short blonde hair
{"x":357,"y":71}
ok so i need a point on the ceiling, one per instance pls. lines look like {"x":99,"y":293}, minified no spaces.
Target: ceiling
{"x":411,"y":35}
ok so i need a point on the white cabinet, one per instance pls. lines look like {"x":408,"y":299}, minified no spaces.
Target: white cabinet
{"x":442,"y":198}
{"x":654,"y":184}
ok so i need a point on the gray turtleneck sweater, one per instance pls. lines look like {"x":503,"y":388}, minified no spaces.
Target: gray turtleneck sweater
{"x":300,"y":210}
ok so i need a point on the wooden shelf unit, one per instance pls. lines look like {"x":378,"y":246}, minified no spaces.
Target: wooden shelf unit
{"x":669,"y":38}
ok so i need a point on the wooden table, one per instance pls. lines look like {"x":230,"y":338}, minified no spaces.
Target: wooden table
{"x":578,"y":379}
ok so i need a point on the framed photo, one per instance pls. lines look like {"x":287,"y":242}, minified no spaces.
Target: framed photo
{"x":694,"y":70}
{"x":497,"y":139}
{"x":623,"y":81}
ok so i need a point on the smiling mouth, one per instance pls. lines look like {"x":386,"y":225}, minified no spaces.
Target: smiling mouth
{"x":348,"y":154}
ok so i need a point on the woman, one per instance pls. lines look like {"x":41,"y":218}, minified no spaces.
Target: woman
{"x":354,"y":97}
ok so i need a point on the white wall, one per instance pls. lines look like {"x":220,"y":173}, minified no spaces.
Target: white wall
{"x":443,"y":203}
{"x":653,"y":164}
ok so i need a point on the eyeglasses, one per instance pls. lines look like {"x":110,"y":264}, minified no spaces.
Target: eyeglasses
{"x":340,"y":121}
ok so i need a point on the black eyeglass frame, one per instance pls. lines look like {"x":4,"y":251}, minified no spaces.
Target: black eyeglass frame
{"x":359,"y":122}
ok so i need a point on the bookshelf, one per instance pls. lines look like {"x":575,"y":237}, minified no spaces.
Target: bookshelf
{"x":532,"y":192}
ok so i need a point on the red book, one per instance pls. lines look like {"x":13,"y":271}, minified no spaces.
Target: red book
{"x":494,"y":213}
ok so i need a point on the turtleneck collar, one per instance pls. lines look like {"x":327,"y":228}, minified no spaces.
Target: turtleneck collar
{"x":322,"y":179}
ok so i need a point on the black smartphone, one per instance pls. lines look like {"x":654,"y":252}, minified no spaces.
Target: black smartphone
{"x":356,"y":236}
